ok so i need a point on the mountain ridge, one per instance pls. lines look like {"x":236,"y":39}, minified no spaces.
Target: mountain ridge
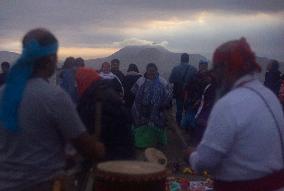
{"x":142,"y":55}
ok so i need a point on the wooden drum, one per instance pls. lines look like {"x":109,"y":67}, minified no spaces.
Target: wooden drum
{"x":130,"y":176}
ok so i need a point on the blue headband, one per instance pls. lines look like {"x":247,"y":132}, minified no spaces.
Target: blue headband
{"x":17,"y":79}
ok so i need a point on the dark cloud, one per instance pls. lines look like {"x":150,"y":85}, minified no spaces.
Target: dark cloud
{"x":96,"y":23}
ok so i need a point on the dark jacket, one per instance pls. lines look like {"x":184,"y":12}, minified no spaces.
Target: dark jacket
{"x":180,"y":76}
{"x":116,"y":121}
{"x":119,"y":74}
{"x":129,"y":80}
{"x":3,"y":78}
{"x":273,"y":81}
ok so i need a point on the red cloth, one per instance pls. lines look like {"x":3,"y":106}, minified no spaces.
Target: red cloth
{"x":84,"y":78}
{"x":237,"y":56}
{"x":268,"y":183}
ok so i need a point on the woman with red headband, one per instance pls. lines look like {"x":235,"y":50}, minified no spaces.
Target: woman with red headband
{"x":243,"y":144}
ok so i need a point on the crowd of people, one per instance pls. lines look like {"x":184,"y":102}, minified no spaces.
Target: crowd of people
{"x":236,"y":124}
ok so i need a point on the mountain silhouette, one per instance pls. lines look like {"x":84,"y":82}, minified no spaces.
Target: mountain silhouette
{"x":142,"y":55}
{"x":8,"y":56}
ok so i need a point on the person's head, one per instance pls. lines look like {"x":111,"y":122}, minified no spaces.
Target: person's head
{"x":151,"y":71}
{"x":274,"y":65}
{"x":84,"y":78}
{"x":268,"y":67}
{"x":40,"y":45}
{"x":69,"y":62}
{"x":38,"y":59}
{"x":104,"y":91}
{"x":184,"y":58}
{"x":231,"y":61}
{"x":115,"y":64}
{"x":105,"y":67}
{"x":5,"y":66}
{"x":80,"y":62}
{"x":132,"y":68}
{"x":203,"y":66}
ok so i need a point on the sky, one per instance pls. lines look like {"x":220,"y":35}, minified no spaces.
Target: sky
{"x":98,"y":28}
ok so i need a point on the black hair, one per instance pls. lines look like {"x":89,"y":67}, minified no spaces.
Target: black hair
{"x":274,"y":65}
{"x":5,"y":64}
{"x":115,"y":61}
{"x":69,"y":62}
{"x":132,"y":67}
{"x":202,"y":62}
{"x":151,"y":65}
{"x":44,"y":38}
{"x":184,"y":58}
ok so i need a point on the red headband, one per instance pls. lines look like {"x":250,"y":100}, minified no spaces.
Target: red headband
{"x":85,"y":77}
{"x":237,"y":56}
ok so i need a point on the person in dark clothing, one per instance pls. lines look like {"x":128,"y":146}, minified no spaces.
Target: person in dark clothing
{"x":131,"y":77}
{"x":273,"y":77}
{"x":193,"y":94}
{"x":115,"y":69}
{"x":115,"y":119}
{"x":205,"y":106}
{"x":5,"y":66}
{"x":79,"y":62}
{"x":67,"y":78}
{"x":180,"y":76}
{"x":106,"y":74}
{"x":194,"y":89}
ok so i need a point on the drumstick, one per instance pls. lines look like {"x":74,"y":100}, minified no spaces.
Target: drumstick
{"x":98,"y":118}
{"x":87,"y":179}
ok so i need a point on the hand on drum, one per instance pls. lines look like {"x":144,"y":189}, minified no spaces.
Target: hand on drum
{"x":100,"y":150}
{"x":187,"y":152}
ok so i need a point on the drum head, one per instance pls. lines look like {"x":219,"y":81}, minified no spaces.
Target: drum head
{"x":130,"y":167}
{"x":155,"y":156}
{"x":130,"y":176}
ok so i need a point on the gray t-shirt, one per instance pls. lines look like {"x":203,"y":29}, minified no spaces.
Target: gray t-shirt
{"x":47,"y":120}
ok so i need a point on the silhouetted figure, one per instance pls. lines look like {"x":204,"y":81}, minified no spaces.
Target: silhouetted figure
{"x":5,"y":66}
{"x":106,"y":74}
{"x":115,"y":63}
{"x":80,"y":62}
{"x":273,"y":77}
{"x":115,"y":127}
{"x":180,"y":76}
{"x":205,"y":106}
{"x":193,"y":93}
{"x":67,"y":78}
{"x":131,"y":77}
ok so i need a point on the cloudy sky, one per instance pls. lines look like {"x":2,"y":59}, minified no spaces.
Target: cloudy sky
{"x":97,"y":28}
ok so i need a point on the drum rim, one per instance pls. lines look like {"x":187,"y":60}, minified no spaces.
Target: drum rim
{"x":162,"y":174}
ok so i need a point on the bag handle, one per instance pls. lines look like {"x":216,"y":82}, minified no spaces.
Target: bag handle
{"x":274,"y":118}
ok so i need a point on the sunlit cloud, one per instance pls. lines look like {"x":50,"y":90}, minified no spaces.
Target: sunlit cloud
{"x":86,"y":53}
{"x":136,"y":41}
{"x":10,"y":45}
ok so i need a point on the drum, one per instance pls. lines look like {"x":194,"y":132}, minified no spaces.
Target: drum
{"x":130,"y":176}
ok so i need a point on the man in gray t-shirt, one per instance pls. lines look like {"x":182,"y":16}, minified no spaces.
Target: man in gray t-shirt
{"x":32,"y":154}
